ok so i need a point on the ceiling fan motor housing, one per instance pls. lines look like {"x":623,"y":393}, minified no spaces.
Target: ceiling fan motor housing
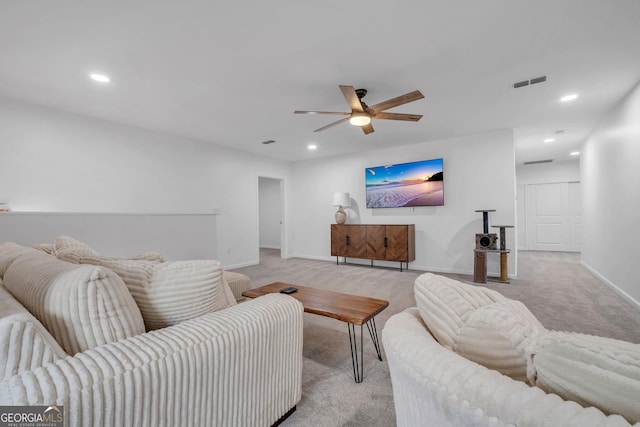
{"x":361,"y":93}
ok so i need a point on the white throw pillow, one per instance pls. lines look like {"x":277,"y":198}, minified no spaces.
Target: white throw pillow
{"x":496,"y":337}
{"x":171,"y":292}
{"x":47,"y":248}
{"x":591,"y":370}
{"x":71,"y":250}
{"x":82,"y":306}
{"x":68,"y":246}
{"x":445,"y":304}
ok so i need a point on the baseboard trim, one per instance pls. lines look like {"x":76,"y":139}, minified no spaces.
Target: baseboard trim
{"x":317,"y":258}
{"x":240,"y":265}
{"x":365,"y":262}
{"x":622,"y":293}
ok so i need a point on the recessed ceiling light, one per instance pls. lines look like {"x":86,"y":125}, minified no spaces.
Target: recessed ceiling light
{"x":312,"y":146}
{"x":575,"y":153}
{"x":100,"y":78}
{"x":568,"y":98}
{"x":549,"y":140}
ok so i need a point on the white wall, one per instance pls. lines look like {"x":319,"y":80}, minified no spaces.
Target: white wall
{"x":59,"y":162}
{"x":176,"y":236}
{"x":542,"y":173}
{"x":610,"y":163}
{"x":566,"y":171}
{"x":479,"y":173}
{"x":270,"y":208}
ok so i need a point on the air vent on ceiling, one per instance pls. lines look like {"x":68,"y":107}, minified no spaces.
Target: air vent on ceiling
{"x":270,"y":141}
{"x":533,"y":81}
{"x":523,"y":83}
{"x":537,"y":162}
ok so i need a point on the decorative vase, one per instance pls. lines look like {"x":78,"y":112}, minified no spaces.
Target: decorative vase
{"x":341,"y":216}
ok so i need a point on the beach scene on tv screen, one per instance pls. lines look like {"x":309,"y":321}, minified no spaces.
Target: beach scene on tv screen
{"x":405,"y":184}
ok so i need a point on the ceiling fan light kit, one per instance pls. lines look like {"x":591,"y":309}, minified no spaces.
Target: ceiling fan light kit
{"x":361,"y":114}
{"x":359,"y":119}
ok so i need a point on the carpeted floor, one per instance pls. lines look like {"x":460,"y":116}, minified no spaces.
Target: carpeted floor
{"x":557,"y":289}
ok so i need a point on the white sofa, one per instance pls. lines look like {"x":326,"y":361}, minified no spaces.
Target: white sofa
{"x":435,"y":386}
{"x":238,"y":366}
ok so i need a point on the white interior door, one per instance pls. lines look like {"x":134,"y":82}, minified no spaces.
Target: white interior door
{"x":547,"y":217}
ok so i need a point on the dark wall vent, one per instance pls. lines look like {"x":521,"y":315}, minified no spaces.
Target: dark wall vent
{"x":537,"y":162}
{"x":533,"y":81}
{"x":538,"y":80}
{"x":521,"y":84}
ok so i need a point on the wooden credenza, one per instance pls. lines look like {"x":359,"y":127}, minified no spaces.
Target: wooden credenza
{"x":374,"y":242}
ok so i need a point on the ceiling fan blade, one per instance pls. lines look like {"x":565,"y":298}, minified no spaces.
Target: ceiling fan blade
{"x":331,"y":124}
{"x":367,"y":129}
{"x":399,"y":100}
{"x":398,"y":116}
{"x":350,"y":95}
{"x":322,"y":112}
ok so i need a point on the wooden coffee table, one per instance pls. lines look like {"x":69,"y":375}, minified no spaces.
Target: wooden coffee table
{"x":352,"y":309}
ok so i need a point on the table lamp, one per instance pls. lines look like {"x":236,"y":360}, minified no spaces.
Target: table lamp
{"x":341,"y":200}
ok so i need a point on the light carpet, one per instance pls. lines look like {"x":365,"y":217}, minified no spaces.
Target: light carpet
{"x":557,"y":289}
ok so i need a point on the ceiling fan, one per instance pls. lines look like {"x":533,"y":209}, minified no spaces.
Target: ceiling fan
{"x":361,"y":114}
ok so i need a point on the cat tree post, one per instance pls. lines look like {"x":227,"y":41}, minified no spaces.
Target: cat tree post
{"x":504,"y":272}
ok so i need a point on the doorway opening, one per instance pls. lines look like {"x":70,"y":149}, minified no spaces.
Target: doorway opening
{"x":271,"y":216}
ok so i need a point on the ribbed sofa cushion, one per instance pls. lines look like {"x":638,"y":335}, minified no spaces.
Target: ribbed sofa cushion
{"x":496,"y":336}
{"x":172,"y":292}
{"x":82,"y":306}
{"x":24,"y":343}
{"x":591,"y":370}
{"x":9,"y":251}
{"x":478,"y":323}
{"x":446,"y":303}
{"x":237,"y":282}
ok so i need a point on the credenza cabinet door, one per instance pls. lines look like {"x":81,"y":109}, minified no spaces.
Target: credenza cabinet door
{"x":357,"y":241}
{"x":376,"y":241}
{"x":397,"y":243}
{"x":349,"y":241}
{"x":339,"y":235}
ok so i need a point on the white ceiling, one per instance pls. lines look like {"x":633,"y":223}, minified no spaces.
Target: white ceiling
{"x":233,"y":73}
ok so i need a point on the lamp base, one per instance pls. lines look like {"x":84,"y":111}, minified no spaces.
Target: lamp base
{"x":341,"y":216}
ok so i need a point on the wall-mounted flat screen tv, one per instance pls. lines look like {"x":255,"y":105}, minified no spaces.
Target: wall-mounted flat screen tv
{"x":405,"y":184}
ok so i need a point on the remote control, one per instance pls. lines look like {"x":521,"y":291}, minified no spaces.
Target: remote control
{"x":288,"y":290}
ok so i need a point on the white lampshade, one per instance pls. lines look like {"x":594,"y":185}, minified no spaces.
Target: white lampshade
{"x":341,"y":199}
